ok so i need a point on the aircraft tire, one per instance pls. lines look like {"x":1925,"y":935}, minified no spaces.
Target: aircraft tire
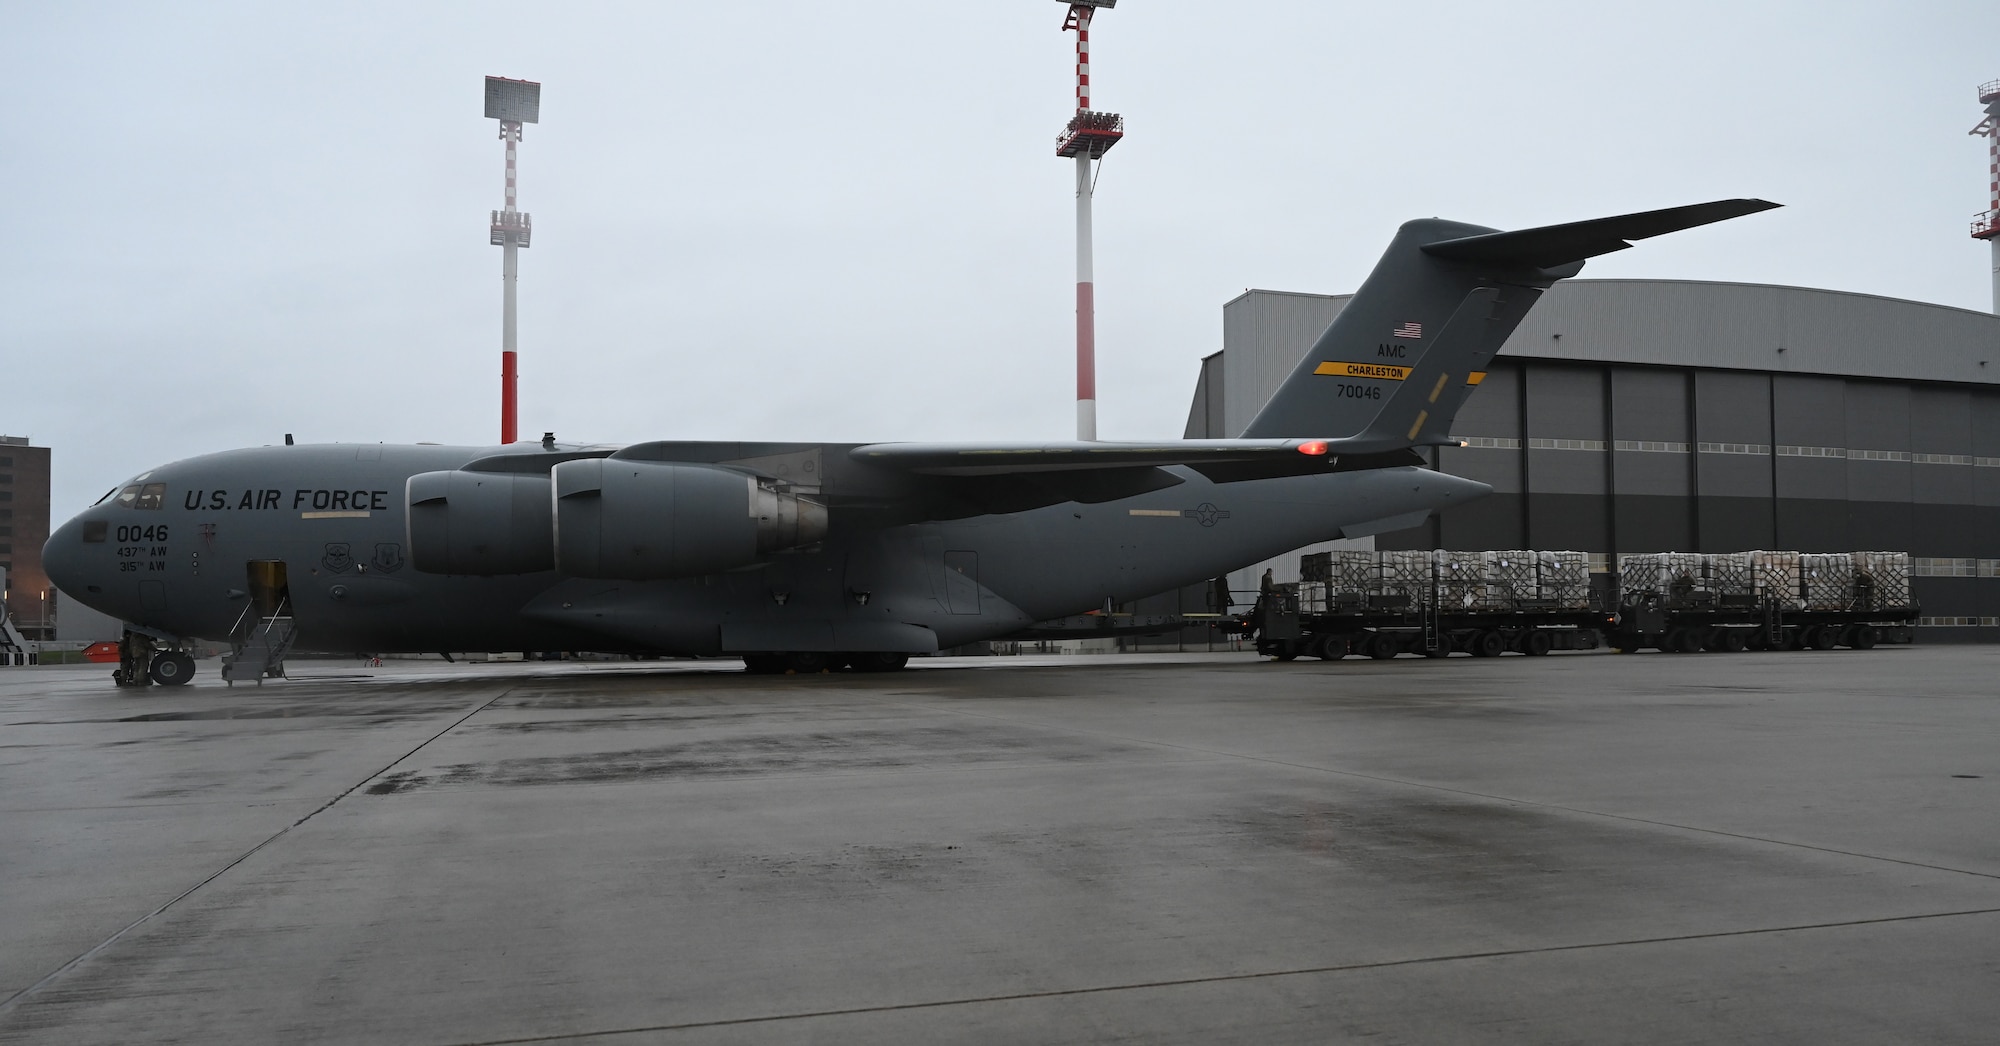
{"x":807,"y":662}
{"x":880,"y":662}
{"x":763,"y":664}
{"x":172,"y":668}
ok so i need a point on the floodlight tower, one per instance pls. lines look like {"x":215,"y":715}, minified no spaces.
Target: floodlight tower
{"x":513,"y":103}
{"x":1987,"y":226}
{"x":1088,"y":137}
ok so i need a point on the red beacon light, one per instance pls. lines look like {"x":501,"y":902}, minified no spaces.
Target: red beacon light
{"x":1315,"y":448}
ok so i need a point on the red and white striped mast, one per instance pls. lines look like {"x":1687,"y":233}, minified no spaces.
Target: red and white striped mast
{"x":1987,"y":226}
{"x":513,"y":103}
{"x":1088,"y":137}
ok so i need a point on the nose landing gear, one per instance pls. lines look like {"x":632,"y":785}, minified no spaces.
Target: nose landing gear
{"x":141,"y":662}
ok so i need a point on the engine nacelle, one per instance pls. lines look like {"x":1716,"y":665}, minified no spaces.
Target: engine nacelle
{"x":480,"y":523}
{"x":649,"y":521}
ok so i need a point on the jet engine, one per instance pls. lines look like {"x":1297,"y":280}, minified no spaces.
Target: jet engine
{"x":480,"y":523}
{"x":648,"y":521}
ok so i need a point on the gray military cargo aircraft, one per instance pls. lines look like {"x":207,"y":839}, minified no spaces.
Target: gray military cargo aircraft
{"x":802,"y":556}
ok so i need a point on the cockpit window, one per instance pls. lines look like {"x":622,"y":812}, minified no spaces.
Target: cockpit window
{"x":143,"y":496}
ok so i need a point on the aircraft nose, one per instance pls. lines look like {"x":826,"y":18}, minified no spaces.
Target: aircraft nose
{"x":63,"y":557}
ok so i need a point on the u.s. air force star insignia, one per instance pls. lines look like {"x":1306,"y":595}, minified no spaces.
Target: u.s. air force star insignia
{"x":338,"y":557}
{"x":1207,"y":513}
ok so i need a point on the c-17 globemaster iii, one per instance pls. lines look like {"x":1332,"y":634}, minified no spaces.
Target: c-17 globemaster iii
{"x":800,"y":555}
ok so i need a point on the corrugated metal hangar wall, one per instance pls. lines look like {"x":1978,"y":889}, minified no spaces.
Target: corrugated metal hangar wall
{"x":1650,"y":416}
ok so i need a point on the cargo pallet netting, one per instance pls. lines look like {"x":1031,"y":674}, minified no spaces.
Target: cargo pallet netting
{"x":1435,"y":603}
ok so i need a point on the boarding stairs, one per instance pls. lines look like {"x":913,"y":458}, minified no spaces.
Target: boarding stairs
{"x":13,"y":649}
{"x":261,"y":650}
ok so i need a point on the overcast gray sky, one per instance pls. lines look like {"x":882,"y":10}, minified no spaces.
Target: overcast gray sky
{"x":793,"y":220}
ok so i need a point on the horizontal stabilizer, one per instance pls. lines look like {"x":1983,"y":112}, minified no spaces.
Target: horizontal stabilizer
{"x":1555,"y":245}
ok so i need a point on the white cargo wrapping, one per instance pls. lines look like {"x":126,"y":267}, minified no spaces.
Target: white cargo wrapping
{"x":1730,"y":574}
{"x":1563,"y":579}
{"x":1673,"y":576}
{"x":1405,"y":572}
{"x":1829,"y":579}
{"x":1353,"y":573}
{"x":1775,"y":576}
{"x":1882,"y":580}
{"x":1461,"y":580}
{"x":1312,"y":597}
{"x":1511,"y":576}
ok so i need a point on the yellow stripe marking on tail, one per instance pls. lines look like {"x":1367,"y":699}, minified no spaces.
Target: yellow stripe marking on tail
{"x":1422,"y":416}
{"x":1438,"y":390}
{"x":1362,"y":370}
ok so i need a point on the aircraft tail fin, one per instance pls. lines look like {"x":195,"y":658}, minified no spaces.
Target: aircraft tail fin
{"x":1395,"y":365}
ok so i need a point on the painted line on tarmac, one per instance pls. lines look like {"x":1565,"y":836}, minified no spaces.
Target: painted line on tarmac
{"x":100,"y":946}
{"x":1226,"y":978}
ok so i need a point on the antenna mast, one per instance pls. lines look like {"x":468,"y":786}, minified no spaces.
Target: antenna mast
{"x":513,"y":103}
{"x":1088,"y":137}
{"x":1987,"y":226}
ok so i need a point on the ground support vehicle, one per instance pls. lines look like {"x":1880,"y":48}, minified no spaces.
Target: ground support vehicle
{"x":1650,"y":623}
{"x":1393,"y":627}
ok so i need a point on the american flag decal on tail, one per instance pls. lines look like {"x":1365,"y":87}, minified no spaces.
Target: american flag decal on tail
{"x":1409,"y":330}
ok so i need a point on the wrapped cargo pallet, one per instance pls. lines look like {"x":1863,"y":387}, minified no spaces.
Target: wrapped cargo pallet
{"x":1677,"y":578}
{"x":1828,"y":580}
{"x":1313,"y":598}
{"x":1316,"y":566}
{"x":1405,"y":574}
{"x":1351,"y":575}
{"x":1562,"y":579}
{"x":1881,"y":580}
{"x":1775,"y":576}
{"x":1461,"y":580}
{"x":1511,"y":576}
{"x":1731,"y":577}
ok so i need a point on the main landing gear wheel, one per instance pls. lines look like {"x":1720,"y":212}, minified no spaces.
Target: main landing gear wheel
{"x":807,"y":662}
{"x":172,"y":668}
{"x":880,"y":662}
{"x":763,"y":664}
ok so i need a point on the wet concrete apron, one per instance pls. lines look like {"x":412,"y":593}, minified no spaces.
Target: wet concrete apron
{"x":1650,"y":848}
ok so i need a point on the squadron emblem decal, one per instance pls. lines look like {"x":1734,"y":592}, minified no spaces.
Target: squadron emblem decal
{"x":388,"y":558}
{"x":339,"y":557}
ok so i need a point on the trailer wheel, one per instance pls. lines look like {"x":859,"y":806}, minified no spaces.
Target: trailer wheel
{"x":1329,"y":648}
{"x":1536,"y":643}
{"x":1489,"y":644}
{"x":1382,"y":647}
{"x":1864,"y":637}
{"x":1822,"y":638}
{"x":1731,"y":640}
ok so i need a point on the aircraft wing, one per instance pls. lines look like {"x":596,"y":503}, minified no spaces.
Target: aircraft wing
{"x":1013,"y":459}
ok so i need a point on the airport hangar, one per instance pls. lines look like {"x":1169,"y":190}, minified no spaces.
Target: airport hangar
{"x":1665,"y":415}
